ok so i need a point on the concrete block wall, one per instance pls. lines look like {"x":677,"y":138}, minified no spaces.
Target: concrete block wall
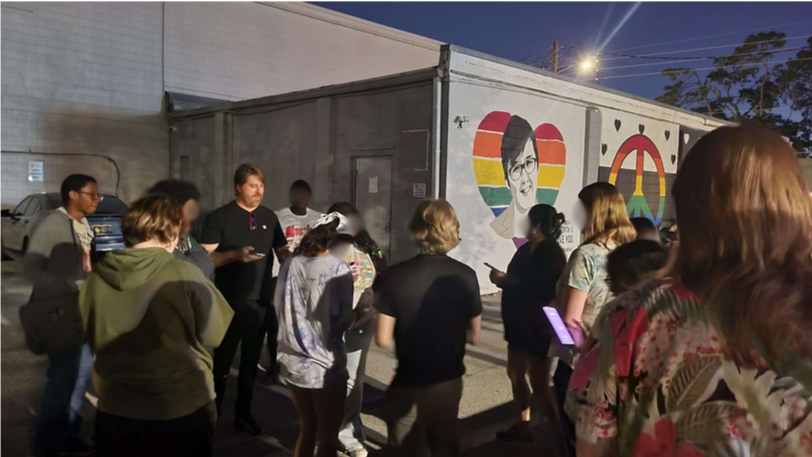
{"x":88,"y":78}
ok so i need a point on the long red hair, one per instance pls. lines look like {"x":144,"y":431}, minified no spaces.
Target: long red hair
{"x":745,"y":226}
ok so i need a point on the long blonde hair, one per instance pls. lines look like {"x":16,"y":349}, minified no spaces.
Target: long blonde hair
{"x":745,"y":225}
{"x":608,"y":220}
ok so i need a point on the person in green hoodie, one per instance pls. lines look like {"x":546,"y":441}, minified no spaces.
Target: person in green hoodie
{"x":150,"y":318}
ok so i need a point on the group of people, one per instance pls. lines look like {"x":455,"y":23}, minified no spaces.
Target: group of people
{"x":692,"y":347}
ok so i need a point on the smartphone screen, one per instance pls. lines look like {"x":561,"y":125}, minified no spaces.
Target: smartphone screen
{"x":558,"y":326}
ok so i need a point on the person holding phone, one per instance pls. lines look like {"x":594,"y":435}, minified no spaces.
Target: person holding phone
{"x":242,"y":238}
{"x":527,"y":287}
{"x":582,"y":289}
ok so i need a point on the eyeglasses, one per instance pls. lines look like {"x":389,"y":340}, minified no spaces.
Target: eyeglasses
{"x":93,"y":196}
{"x":253,"y":218}
{"x":529,"y":166}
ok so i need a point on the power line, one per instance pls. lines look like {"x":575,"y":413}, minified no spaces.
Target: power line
{"x":713,"y":36}
{"x":698,"y":69}
{"x":694,"y":59}
{"x":627,"y":56}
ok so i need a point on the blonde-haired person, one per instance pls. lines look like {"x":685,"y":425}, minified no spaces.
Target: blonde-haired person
{"x":582,"y":289}
{"x":717,"y":360}
{"x":430,"y":306}
{"x":149,"y":318}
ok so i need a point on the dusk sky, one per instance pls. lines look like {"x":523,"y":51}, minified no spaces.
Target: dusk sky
{"x":518,"y":30}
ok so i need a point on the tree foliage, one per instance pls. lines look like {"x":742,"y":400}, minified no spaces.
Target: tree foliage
{"x":747,"y":86}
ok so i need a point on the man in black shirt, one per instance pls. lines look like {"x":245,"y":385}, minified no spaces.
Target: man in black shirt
{"x":242,"y":238}
{"x":430,"y":305}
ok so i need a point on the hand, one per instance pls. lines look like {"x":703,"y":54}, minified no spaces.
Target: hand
{"x":86,"y":267}
{"x":246,"y":255}
{"x":578,"y":336}
{"x":497,"y":276}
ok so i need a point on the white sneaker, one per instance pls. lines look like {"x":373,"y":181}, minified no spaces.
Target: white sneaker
{"x":358,"y":453}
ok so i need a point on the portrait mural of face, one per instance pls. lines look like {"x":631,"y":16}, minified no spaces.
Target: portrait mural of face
{"x":516,"y":167}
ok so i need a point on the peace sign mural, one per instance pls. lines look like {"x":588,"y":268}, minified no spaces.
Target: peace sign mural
{"x":639,"y":156}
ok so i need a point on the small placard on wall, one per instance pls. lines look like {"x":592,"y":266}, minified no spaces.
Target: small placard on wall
{"x":419,"y":190}
{"x":373,"y":184}
{"x":36,"y":170}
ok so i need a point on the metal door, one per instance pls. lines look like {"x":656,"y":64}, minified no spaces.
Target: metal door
{"x":373,"y":196}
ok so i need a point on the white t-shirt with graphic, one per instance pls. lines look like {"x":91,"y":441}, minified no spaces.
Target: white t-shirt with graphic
{"x":294,"y":227}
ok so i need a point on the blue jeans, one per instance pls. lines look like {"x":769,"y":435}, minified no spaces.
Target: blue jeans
{"x":60,"y":412}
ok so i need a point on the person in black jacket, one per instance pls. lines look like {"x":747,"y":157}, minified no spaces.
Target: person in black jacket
{"x":187,"y":195}
{"x":527,"y":287}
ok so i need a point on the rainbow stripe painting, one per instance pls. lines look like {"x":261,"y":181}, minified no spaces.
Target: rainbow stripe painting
{"x":490,"y":176}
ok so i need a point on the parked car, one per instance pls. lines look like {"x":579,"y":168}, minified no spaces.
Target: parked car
{"x":17,"y":223}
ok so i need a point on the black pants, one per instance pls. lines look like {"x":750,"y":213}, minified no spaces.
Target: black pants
{"x":190,"y":435}
{"x":248,"y":332}
{"x":272,"y":328}
{"x":561,"y":380}
{"x":422,"y":421}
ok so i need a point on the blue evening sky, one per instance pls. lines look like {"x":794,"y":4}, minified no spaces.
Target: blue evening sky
{"x":518,"y":30}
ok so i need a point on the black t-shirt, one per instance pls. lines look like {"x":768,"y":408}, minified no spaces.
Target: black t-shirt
{"x":230,"y":227}
{"x":432,"y":298}
{"x":528,"y":287}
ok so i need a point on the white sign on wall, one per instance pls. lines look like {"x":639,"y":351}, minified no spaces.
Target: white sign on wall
{"x":419,"y":190}
{"x":36,"y":170}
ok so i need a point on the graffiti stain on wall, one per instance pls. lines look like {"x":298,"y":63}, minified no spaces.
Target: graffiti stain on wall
{"x":517,"y":166}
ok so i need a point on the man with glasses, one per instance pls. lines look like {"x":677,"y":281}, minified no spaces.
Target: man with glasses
{"x":520,"y":160}
{"x":57,"y":262}
{"x":242,"y":238}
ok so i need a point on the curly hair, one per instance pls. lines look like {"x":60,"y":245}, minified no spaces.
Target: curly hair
{"x":152,"y":218}
{"x":435,"y":227}
{"x":318,"y":239}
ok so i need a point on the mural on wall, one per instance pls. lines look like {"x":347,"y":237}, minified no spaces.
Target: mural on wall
{"x":517,"y":166}
{"x":639,"y":156}
{"x":687,"y":140}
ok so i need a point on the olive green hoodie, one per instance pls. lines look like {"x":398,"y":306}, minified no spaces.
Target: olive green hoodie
{"x":148,"y":318}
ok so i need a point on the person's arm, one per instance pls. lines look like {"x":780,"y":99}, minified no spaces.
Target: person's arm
{"x":386,"y":331}
{"x":473,"y":330}
{"x":581,"y":274}
{"x":280,"y":244}
{"x":212,"y":313}
{"x":34,"y":265}
{"x":474,"y":312}
{"x":341,"y":301}
{"x":198,"y":256}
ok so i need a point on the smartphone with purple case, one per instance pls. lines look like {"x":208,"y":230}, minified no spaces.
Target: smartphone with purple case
{"x":558,"y":326}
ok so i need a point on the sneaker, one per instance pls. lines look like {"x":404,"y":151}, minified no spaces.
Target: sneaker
{"x":248,"y":425}
{"x":516,"y":437}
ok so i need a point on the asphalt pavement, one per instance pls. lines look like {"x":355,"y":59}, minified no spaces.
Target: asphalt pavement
{"x":486,"y":405}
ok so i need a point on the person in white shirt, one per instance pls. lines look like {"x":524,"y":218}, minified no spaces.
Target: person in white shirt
{"x":294,"y":220}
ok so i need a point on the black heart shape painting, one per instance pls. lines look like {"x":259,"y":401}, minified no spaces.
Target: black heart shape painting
{"x":603,"y":149}
{"x":641,"y":128}
{"x":667,"y":134}
{"x":617,"y":125}
{"x":673,"y":158}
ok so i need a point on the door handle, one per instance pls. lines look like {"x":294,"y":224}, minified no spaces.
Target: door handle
{"x":387,"y":227}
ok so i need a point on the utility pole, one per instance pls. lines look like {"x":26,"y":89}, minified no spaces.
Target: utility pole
{"x":555,"y":56}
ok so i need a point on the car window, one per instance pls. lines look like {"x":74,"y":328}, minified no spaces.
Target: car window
{"x":34,"y":208}
{"x":111,"y":205}
{"x":20,"y":209}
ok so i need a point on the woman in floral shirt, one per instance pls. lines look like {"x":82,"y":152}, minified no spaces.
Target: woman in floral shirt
{"x":715,"y":362}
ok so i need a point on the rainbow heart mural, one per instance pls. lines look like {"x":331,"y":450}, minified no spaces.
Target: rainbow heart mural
{"x":496,"y":184}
